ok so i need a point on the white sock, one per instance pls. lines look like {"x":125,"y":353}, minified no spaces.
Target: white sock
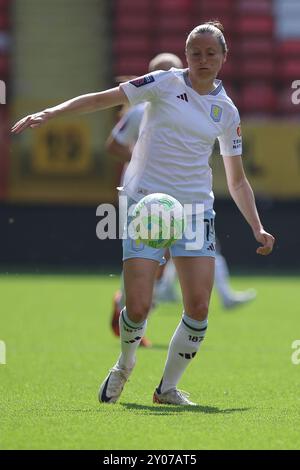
{"x":131,"y":334}
{"x":183,"y":347}
{"x":222,"y":278}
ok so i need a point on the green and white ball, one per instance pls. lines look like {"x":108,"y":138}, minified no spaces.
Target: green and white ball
{"x":158,"y":220}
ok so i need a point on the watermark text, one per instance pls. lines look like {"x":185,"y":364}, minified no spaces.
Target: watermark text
{"x":155,"y":223}
{"x":2,"y":92}
{"x":295,"y":358}
{"x":2,"y":352}
{"x":296,"y":94}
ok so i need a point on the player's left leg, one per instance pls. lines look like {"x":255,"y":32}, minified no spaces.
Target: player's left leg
{"x":228,"y":296}
{"x":196,"y":277}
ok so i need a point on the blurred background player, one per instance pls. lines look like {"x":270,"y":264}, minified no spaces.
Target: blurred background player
{"x":120,"y":143}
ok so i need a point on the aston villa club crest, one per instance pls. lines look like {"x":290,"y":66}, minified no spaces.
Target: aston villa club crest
{"x":216,"y":112}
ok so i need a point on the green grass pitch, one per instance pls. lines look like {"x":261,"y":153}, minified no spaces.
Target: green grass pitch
{"x":59,"y":347}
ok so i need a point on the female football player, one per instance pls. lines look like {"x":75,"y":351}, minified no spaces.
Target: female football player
{"x":188,"y":109}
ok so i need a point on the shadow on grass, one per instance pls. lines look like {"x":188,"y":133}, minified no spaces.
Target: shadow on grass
{"x":171,"y":409}
{"x":164,"y":347}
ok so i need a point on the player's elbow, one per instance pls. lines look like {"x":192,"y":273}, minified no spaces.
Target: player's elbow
{"x":234,"y":184}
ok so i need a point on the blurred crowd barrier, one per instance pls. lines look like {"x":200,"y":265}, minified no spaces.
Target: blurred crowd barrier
{"x":60,"y":165}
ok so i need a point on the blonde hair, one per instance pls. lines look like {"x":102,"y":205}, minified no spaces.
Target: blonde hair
{"x":213,"y":27}
{"x":165,"y":61}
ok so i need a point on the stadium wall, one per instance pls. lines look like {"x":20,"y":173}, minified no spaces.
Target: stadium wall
{"x":61,"y":237}
{"x":61,"y":50}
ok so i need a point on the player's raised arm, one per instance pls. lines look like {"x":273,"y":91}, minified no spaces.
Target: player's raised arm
{"x":242,"y":194}
{"x":81,"y":104}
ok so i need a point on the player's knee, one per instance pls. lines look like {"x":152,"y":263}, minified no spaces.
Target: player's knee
{"x":199,"y":310}
{"x":138,"y":310}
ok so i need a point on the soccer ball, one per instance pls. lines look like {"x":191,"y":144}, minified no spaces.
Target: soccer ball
{"x":158,"y":220}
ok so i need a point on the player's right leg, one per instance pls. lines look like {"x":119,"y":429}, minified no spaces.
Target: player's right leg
{"x":119,"y":302}
{"x":139,"y":277}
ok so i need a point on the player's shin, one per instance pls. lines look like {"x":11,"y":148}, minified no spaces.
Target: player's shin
{"x":183,"y":348}
{"x":131,"y":334}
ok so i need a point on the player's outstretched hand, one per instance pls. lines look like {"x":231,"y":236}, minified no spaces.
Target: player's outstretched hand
{"x":33,"y":120}
{"x":267,"y":240}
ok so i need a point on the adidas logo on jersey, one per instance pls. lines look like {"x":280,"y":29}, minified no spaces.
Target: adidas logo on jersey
{"x":211,"y":247}
{"x":183,"y":97}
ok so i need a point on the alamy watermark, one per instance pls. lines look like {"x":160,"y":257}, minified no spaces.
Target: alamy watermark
{"x":296,"y":94}
{"x":2,"y":352}
{"x":295,"y":358}
{"x":2,"y":92}
{"x":195,"y":229}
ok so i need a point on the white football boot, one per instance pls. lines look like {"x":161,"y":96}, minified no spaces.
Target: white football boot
{"x":172,"y":397}
{"x":112,"y":387}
